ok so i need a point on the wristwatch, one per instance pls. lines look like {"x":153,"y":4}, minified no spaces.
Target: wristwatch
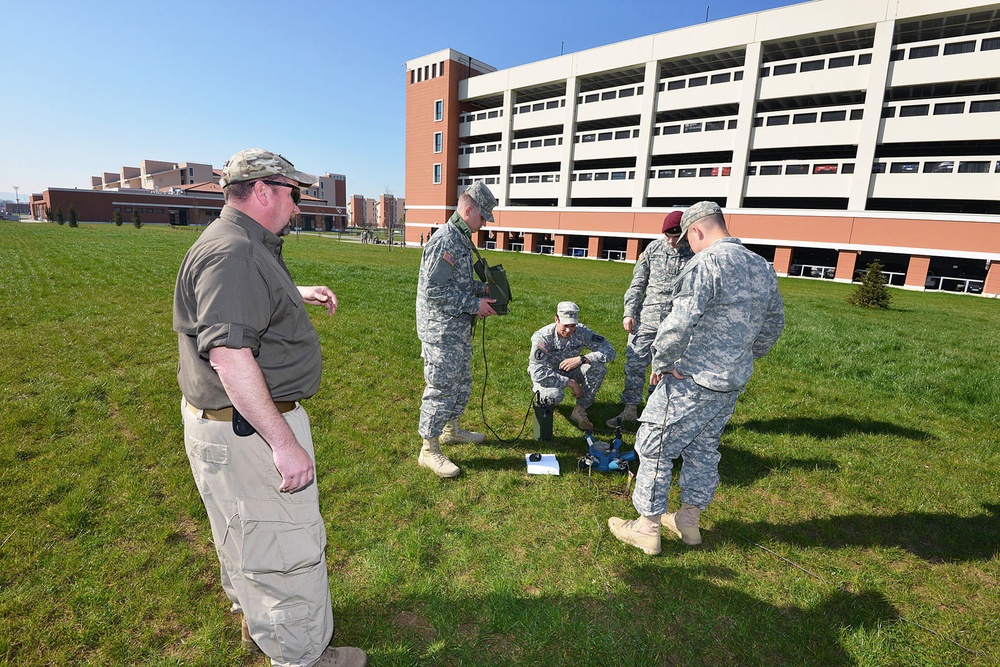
{"x":583,"y":359}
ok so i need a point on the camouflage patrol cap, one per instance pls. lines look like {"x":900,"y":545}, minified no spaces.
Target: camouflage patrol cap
{"x":254,"y":163}
{"x":568,"y":312}
{"x":484,"y":199}
{"x":696,"y":212}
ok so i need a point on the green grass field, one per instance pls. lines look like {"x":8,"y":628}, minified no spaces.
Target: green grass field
{"x":856,"y":524}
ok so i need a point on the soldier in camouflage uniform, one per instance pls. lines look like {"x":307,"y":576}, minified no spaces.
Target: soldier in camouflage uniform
{"x":556,"y":361}
{"x":449,"y":299}
{"x":647,"y":302}
{"x":726,"y":312}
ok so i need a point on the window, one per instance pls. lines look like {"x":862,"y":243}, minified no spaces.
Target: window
{"x":675,"y":85}
{"x":601,"y":176}
{"x":888,"y":112}
{"x":692,"y":127}
{"x":800,"y":118}
{"x":824,"y":169}
{"x":770,"y":170}
{"x":665,"y":173}
{"x":857,"y":114}
{"x":687,"y":173}
{"x":796,"y":169}
{"x":494,"y":114}
{"x":959,"y":47}
{"x":923,"y":51}
{"x":903,"y":168}
{"x":765,"y":71}
{"x":604,"y":136}
{"x":812,"y":66}
{"x":946,"y":108}
{"x":721,"y":78}
{"x":609,"y":95}
{"x":945,"y":167}
{"x":626,"y":92}
{"x":708,"y":171}
{"x":623,"y":134}
{"x":552,"y":104}
{"x":672,"y":129}
{"x":847,"y":168}
{"x":586,"y":177}
{"x":784,"y":69}
{"x":984,"y":106}
{"x":777,"y":120}
{"x":895,"y":55}
{"x":698,"y":81}
{"x":587,"y":138}
{"x":732,"y":124}
{"x":437,"y":173}
{"x":914,"y":110}
{"x":538,"y":106}
{"x":974,"y":167}
{"x":842,"y":61}
{"x":865,"y":59}
{"x":990,"y":44}
{"x":738,"y":76}
{"x":593,"y":97}
{"x":438,"y":142}
{"x":715,"y":125}
{"x":758,"y":121}
{"x":618,"y":176}
{"x":878,"y":168}
{"x":831,"y":116}
{"x":752,"y":171}
{"x":550,"y":141}
{"x":438,"y":110}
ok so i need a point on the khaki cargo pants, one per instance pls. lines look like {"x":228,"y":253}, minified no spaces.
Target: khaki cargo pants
{"x":270,"y":544}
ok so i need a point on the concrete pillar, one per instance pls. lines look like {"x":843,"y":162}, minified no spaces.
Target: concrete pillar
{"x":782,"y":260}
{"x":503,"y":239}
{"x":595,"y":247}
{"x":916,"y":272}
{"x":992,"y":284}
{"x":531,"y":241}
{"x":479,"y":238}
{"x":632,"y":250}
{"x":846,"y":260}
{"x":561,"y":242}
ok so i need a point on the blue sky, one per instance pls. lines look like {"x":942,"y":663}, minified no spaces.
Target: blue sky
{"x":93,"y":86}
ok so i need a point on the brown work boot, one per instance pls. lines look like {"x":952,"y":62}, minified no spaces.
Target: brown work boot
{"x":579,"y":417}
{"x":246,"y":640}
{"x":453,"y":434}
{"x":684,"y":522}
{"x":342,"y":656}
{"x":643,"y":532}
{"x":627,"y":415}
{"x":431,"y":457}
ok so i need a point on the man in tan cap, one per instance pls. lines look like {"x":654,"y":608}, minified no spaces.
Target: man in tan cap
{"x":449,"y":299}
{"x":556,"y":362}
{"x":248,"y":355}
{"x":727,"y":311}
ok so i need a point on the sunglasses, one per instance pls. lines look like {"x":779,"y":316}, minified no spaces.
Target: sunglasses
{"x":673,"y":231}
{"x":296,"y":192}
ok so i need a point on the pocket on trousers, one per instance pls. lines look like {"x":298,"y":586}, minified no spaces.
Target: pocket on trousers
{"x":210,"y":452}
{"x":291,"y":629}
{"x":280,"y":536}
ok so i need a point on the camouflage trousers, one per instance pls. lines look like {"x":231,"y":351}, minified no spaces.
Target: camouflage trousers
{"x":448,"y":376}
{"x":638,"y":355}
{"x":590,"y":376}
{"x":681,"y":419}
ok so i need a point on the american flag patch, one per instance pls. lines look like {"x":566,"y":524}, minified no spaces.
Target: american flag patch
{"x":543,"y":347}
{"x":448,"y":257}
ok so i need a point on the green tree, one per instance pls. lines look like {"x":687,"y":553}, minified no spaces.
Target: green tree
{"x":49,"y":215}
{"x":136,"y":218}
{"x":117,"y":217}
{"x":872,"y":292}
{"x":73,"y":219}
{"x":60,"y":218}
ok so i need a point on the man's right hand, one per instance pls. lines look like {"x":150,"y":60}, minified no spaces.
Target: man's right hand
{"x":575,"y":387}
{"x":628,"y":323}
{"x":295,"y":466}
{"x":485,"y":309}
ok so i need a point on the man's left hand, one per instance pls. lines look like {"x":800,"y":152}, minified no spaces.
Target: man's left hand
{"x":320,"y":295}
{"x":570,"y":364}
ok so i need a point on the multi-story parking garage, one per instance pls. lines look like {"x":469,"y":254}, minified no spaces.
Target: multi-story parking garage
{"x":832,"y":133}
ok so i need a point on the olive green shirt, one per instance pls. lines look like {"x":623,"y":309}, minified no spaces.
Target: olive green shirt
{"x":233,"y":290}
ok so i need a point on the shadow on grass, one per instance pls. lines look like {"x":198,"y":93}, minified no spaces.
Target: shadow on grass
{"x":829,"y":428}
{"x":739,"y":467}
{"x":668,"y":615}
{"x":932,"y":537}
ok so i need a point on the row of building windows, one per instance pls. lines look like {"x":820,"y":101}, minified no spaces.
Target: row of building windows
{"x":603,"y":176}
{"x":942,"y":108}
{"x":834,"y":62}
{"x":610,"y":135}
{"x":128,"y":209}
{"x":938,"y":167}
{"x":479,"y":148}
{"x":808,"y":117}
{"x":708,"y":126}
{"x":540,"y":106}
{"x":609,"y":95}
{"x":432,"y":71}
{"x":701,"y":80}
{"x":952,"y":48}
{"x":481,"y":115}
{"x":536,"y":143}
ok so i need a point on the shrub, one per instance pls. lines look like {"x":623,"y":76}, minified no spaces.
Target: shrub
{"x":49,"y":215}
{"x":136,"y":218}
{"x":872,"y":292}
{"x":60,"y":218}
{"x":117,"y":217}
{"x":73,"y":220}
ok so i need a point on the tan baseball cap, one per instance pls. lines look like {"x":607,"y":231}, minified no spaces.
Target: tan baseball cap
{"x":254,"y":163}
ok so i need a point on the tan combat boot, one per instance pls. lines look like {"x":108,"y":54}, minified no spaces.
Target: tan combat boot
{"x":342,"y":656}
{"x":431,"y":457}
{"x":684,"y":522}
{"x":579,"y":417}
{"x":643,"y":532}
{"x":453,"y":434}
{"x":246,"y":641}
{"x":627,"y":415}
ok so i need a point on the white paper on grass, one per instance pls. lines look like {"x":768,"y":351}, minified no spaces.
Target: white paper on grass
{"x":547,"y":466}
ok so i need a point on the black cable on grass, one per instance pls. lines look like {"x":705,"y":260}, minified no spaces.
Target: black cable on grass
{"x":482,"y":400}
